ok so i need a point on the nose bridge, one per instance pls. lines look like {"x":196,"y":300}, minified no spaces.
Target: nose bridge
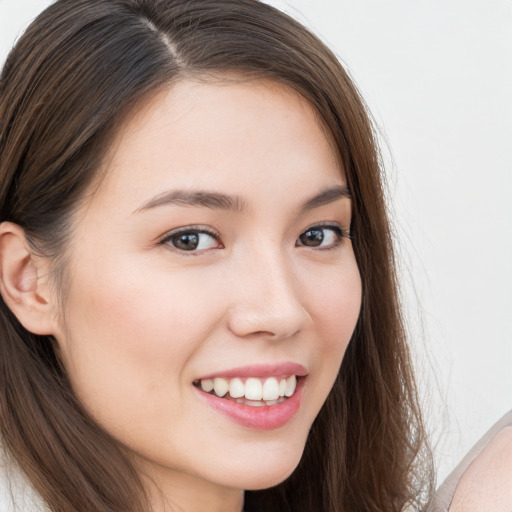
{"x":268,"y":299}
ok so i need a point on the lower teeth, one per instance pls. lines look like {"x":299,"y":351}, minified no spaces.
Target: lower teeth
{"x":259,"y":403}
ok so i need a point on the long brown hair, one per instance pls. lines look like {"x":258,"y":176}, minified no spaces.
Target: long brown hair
{"x":77,"y":71}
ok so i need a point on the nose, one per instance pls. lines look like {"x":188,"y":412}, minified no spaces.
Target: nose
{"x":267,"y":299}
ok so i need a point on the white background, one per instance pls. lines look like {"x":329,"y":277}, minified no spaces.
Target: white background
{"x":437,"y":75}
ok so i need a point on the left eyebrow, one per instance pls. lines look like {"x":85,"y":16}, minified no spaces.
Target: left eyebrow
{"x":327,"y":196}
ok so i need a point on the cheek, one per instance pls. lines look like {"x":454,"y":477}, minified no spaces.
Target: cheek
{"x":138,"y":310}
{"x":335,"y":305}
{"x":129,"y":337}
{"x":336,"y":310}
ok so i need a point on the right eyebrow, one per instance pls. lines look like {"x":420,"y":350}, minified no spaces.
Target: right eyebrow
{"x":203,"y":198}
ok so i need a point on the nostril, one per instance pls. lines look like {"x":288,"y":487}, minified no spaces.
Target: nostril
{"x":266,"y":321}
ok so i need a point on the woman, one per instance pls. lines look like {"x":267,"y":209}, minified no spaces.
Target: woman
{"x":198,"y":286}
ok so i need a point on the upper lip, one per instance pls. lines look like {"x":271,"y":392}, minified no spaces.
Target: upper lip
{"x":260,"y":370}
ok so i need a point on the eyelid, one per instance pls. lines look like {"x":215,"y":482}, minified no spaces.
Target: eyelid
{"x":328,"y":224}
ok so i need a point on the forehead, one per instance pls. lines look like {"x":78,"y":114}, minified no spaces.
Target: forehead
{"x":220,"y":134}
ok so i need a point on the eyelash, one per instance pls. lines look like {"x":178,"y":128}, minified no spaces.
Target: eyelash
{"x":341,"y":234}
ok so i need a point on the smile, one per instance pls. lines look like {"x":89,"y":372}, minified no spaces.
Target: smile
{"x":262,"y":397}
{"x":251,"y":391}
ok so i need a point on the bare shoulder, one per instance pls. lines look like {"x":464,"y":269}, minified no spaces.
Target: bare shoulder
{"x":487,"y":483}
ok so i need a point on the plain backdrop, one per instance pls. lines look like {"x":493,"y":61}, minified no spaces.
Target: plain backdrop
{"x":437,"y":76}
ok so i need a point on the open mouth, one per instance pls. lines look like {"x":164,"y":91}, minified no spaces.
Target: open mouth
{"x":252,"y":391}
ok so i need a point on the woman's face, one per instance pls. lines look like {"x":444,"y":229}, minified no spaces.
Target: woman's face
{"x":214,"y":252}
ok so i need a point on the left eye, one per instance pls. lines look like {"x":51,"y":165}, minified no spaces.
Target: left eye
{"x":192,"y":240}
{"x":321,"y":236}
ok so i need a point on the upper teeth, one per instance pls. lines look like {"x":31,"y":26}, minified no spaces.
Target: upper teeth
{"x":252,"y":389}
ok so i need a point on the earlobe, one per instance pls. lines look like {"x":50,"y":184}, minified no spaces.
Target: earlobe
{"x":23,"y":282}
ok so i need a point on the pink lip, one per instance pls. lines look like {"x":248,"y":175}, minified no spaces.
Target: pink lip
{"x":260,"y":370}
{"x":267,"y":417}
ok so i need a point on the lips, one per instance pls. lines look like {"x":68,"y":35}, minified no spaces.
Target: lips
{"x":259,"y":396}
{"x":260,"y":371}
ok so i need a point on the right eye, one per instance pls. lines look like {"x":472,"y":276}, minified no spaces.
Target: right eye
{"x":190,"y":240}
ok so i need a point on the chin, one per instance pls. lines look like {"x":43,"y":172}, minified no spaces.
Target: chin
{"x":266,"y":471}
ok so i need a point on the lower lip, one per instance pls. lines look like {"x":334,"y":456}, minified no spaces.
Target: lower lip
{"x":266,"y":417}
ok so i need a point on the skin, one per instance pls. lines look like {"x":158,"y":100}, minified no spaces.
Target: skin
{"x":486,"y":486}
{"x":143,"y":319}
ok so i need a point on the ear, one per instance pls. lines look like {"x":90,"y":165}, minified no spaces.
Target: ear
{"x":24,"y":281}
